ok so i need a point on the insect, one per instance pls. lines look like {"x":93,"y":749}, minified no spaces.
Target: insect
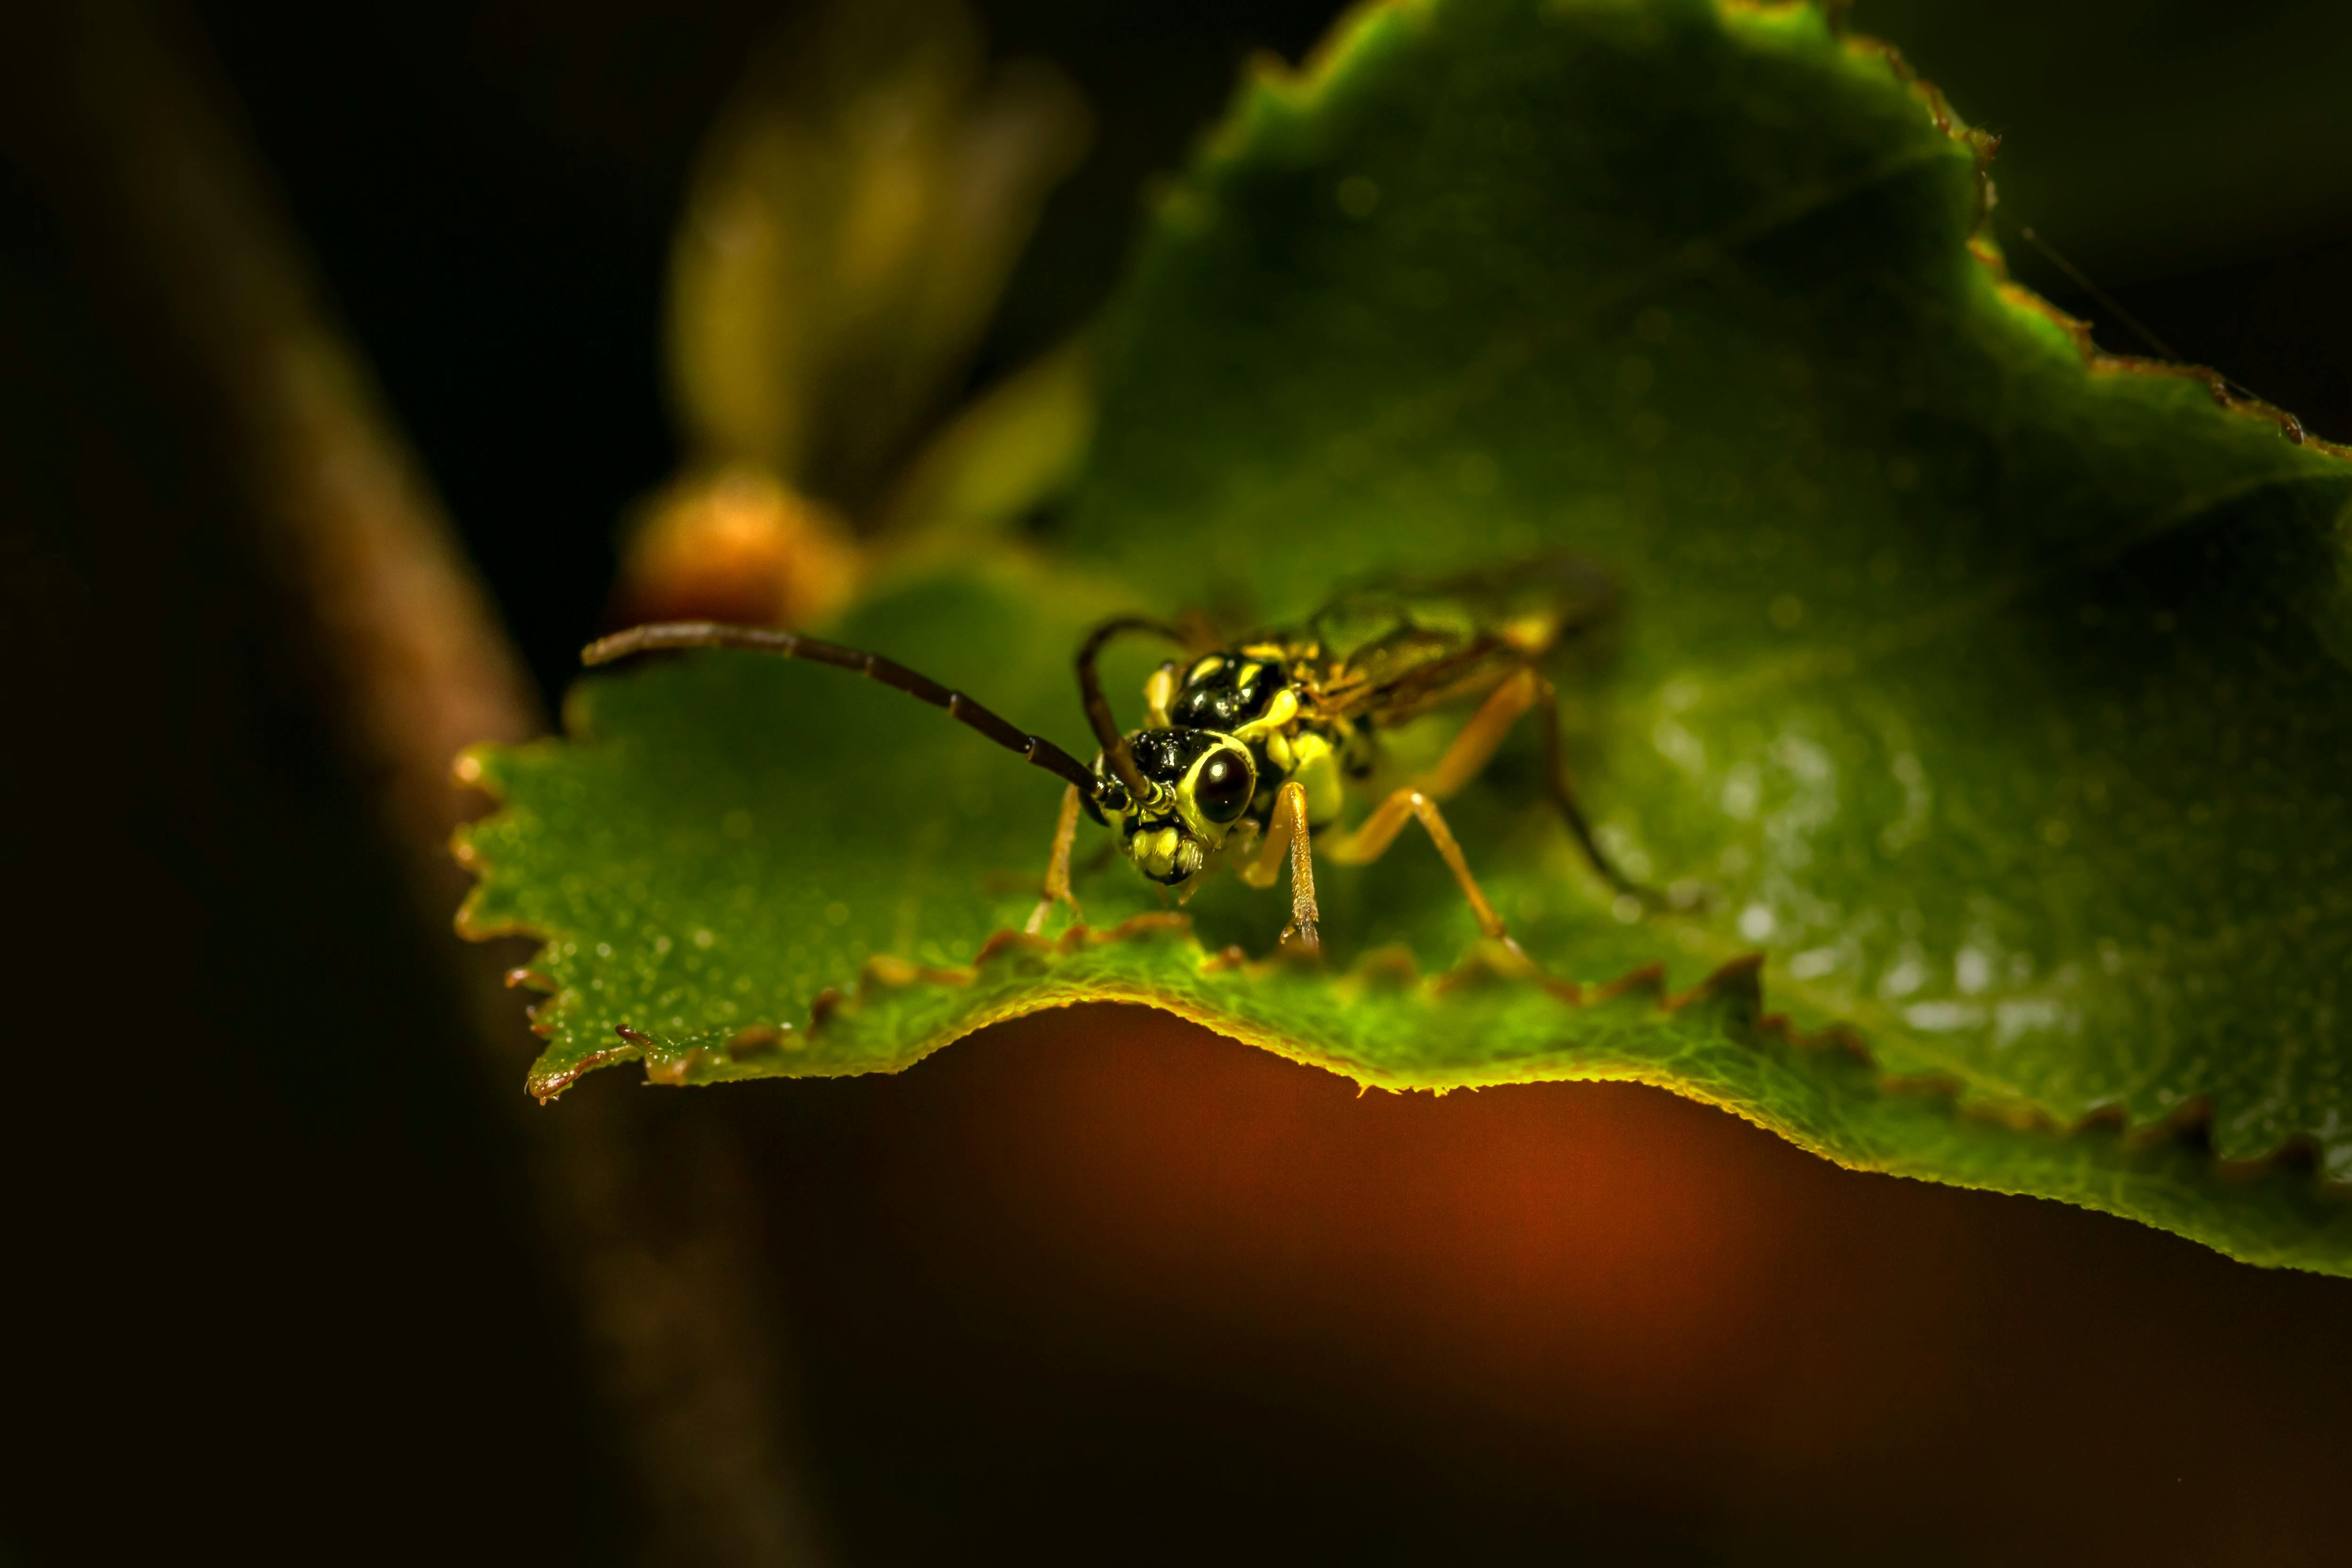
{"x":1250,"y":747}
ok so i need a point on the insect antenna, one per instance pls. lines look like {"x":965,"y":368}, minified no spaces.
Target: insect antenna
{"x":1098,"y":713}
{"x":667,"y":635}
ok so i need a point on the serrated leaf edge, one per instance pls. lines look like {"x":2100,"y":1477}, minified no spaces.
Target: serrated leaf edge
{"x":1269,"y":83}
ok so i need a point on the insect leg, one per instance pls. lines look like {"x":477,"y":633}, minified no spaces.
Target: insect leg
{"x":1373,"y":836}
{"x":1474,"y":747}
{"x":1562,"y":789}
{"x":1286,"y":833}
{"x":1058,"y":866}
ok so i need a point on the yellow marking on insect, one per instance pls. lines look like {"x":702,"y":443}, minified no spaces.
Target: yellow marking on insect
{"x":1316,"y":766}
{"x":1159,"y":690}
{"x":1279,"y":712}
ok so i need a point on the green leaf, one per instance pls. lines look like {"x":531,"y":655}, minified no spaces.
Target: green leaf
{"x":1994,"y":692}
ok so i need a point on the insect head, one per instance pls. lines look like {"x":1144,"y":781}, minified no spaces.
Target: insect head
{"x":1199,"y":782}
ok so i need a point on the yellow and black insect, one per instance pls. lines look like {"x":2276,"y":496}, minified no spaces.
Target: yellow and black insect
{"x":1250,"y":748}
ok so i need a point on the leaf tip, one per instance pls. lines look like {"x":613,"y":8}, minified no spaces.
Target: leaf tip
{"x":545,"y":1084}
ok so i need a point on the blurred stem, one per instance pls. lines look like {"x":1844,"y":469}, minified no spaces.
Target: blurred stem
{"x":112,"y":113}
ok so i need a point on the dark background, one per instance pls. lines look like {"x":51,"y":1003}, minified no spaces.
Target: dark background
{"x":1099,"y":1286}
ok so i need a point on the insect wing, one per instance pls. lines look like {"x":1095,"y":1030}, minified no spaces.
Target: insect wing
{"x":1396,"y":651}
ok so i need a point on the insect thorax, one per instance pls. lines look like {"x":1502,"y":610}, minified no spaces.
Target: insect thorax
{"x":1262,"y":695}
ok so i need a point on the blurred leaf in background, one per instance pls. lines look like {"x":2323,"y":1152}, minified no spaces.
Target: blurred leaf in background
{"x":853,"y":219}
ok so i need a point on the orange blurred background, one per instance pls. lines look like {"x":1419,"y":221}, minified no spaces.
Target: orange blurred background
{"x":1099,"y":1276}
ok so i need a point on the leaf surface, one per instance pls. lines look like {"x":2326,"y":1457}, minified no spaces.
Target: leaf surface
{"x":1993,"y":693}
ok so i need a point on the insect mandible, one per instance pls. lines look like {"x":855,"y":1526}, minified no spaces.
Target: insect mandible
{"x":1251,"y":746}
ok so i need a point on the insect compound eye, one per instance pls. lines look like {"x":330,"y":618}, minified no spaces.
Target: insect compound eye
{"x":1223,"y":787}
